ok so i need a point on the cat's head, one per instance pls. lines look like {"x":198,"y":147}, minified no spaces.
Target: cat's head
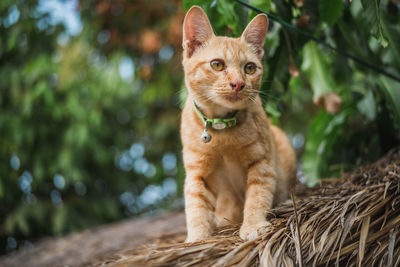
{"x":221,"y":70}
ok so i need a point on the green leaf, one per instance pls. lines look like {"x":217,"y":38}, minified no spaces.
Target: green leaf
{"x":317,"y":69}
{"x":12,"y":39}
{"x":261,"y":4}
{"x":321,"y":139}
{"x":187,"y":4}
{"x":59,"y":220}
{"x":272,"y":110}
{"x":22,"y":219}
{"x":311,"y":159}
{"x":392,"y":97}
{"x":372,"y":13}
{"x":330,"y":11}
{"x":367,"y":106}
{"x":276,"y":69}
{"x":40,"y":89}
{"x":228,"y":17}
{"x":392,"y":32}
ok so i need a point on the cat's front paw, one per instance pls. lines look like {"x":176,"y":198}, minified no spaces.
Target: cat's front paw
{"x":197,"y":236}
{"x":252,"y":231}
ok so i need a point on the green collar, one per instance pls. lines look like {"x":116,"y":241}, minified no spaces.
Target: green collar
{"x":217,"y":123}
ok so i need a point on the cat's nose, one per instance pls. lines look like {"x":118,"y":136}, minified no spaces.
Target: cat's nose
{"x":237,"y":86}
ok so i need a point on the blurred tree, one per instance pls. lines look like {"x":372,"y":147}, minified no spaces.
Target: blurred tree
{"x":86,"y":121}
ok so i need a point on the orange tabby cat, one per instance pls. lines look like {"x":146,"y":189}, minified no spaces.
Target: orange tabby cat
{"x":237,"y":164}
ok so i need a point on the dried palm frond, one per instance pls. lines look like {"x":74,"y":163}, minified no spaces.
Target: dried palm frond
{"x":352,"y":221}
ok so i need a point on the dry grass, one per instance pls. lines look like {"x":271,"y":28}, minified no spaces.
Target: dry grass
{"x":352,"y":221}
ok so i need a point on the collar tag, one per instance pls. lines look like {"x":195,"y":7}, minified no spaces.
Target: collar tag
{"x":219,"y":126}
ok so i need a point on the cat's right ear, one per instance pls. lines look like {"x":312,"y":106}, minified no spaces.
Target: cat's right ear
{"x":255,"y":32}
{"x":197,"y":30}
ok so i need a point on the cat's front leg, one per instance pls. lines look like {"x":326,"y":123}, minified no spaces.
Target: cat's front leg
{"x":199,"y":207}
{"x":261,"y":183}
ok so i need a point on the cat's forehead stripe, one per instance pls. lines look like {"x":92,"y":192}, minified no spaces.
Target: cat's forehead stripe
{"x":232,"y":50}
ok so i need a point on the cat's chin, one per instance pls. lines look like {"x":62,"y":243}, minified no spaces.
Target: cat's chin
{"x":233,"y":98}
{"x":234,"y":102}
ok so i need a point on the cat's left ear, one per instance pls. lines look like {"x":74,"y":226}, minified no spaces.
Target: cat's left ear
{"x":197,"y":30}
{"x":255,"y":32}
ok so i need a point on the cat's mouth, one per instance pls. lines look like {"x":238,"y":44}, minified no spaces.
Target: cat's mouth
{"x":233,"y":98}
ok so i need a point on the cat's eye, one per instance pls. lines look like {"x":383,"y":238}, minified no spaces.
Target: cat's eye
{"x":217,"y":64}
{"x":250,"y":68}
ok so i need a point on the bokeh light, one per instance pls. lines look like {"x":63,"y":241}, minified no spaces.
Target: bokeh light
{"x":15,"y":162}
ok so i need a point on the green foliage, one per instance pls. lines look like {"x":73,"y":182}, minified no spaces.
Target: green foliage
{"x":330,"y":11}
{"x":321,"y":140}
{"x":261,"y":4}
{"x":372,"y":12}
{"x":392,"y":95}
{"x":76,"y":149}
{"x":316,"y":67}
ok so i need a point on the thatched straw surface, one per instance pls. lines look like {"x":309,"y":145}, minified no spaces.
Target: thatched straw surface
{"x":352,"y":221}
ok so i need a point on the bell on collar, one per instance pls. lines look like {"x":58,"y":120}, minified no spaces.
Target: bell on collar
{"x":205,"y":136}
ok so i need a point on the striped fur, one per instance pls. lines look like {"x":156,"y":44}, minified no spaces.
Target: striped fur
{"x":245,"y":169}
